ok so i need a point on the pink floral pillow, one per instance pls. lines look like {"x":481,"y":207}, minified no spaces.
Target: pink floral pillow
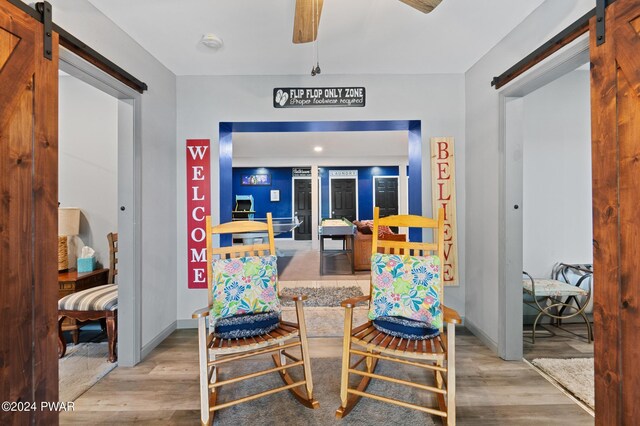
{"x":406,"y":286}
{"x":244,"y":285}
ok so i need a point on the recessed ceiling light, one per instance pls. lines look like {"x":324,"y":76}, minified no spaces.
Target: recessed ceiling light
{"x":211,"y":40}
{"x":317,"y":149}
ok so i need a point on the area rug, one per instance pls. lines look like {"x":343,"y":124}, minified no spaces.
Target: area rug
{"x":81,"y":368}
{"x":282,"y":409}
{"x":321,"y":296}
{"x":573,"y":374}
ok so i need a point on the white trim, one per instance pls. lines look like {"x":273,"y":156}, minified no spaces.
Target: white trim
{"x":149,"y":347}
{"x":331,"y":178}
{"x":129,"y":196}
{"x":510,"y":346}
{"x":293,"y":201}
{"x":484,"y":338}
{"x":373,"y":192}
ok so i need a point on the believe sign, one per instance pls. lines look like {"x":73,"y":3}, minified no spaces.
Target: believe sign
{"x":198,"y":208}
{"x":443,"y":194}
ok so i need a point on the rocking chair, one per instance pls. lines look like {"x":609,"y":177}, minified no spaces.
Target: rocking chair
{"x":222,"y":343}
{"x":398,"y":338}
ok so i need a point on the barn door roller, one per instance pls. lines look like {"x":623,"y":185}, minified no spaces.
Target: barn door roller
{"x":45,"y":9}
{"x":600,"y":11}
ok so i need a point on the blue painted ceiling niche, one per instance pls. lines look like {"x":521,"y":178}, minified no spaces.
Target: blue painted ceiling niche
{"x":413,"y":127}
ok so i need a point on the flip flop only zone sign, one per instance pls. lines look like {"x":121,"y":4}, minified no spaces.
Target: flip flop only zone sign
{"x":314,"y":97}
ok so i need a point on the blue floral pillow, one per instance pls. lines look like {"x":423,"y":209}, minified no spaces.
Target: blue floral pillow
{"x":406,"y":286}
{"x":244,"y":285}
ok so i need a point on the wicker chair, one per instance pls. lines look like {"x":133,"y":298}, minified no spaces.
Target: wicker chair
{"x":215,"y":352}
{"x":431,"y":353}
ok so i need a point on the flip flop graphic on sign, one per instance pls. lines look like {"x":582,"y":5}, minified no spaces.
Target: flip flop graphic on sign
{"x":281,"y":97}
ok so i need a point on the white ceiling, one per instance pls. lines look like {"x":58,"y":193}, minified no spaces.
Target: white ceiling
{"x":355,"y":36}
{"x":335,"y":145}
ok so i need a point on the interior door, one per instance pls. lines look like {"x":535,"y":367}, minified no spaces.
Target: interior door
{"x":343,"y":198}
{"x":28,"y":217}
{"x":302,"y":203}
{"x":386,"y":195}
{"x":615,"y":127}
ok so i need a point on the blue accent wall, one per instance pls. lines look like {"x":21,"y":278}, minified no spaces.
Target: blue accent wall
{"x":414,"y":127}
{"x":365,"y":188}
{"x":262,"y":204}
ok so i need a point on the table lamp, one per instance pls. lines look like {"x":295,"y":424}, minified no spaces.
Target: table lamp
{"x":68,"y":225}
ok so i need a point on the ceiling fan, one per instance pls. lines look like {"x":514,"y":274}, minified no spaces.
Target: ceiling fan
{"x":307,"y":16}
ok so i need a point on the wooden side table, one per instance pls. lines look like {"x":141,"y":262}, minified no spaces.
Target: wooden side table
{"x":71,"y":282}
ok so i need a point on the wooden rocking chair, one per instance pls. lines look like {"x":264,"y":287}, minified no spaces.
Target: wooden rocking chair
{"x":436,"y":354}
{"x":214,"y":351}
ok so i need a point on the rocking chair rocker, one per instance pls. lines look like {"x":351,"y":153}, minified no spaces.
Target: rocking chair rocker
{"x":396,"y":338}
{"x":217,"y":348}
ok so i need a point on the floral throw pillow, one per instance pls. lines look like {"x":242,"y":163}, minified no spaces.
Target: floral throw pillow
{"x":406,"y":286}
{"x":244,"y":285}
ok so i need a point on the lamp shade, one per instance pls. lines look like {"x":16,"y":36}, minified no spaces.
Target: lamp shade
{"x":68,"y":221}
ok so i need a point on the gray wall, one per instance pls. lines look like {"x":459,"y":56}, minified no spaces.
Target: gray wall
{"x":203,"y":102}
{"x":557,"y":219}
{"x":88,"y":162}
{"x":158,"y":129}
{"x":483,"y":157}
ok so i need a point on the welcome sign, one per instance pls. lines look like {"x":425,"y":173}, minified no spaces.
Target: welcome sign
{"x":198,"y":208}
{"x":443,"y":194}
{"x":305,"y":97}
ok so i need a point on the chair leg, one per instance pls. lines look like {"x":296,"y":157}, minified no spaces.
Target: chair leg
{"x":306,"y":397}
{"x":346,"y":358}
{"x":304,"y":348}
{"x":62,"y":344}
{"x":451,"y":374}
{"x":111,"y":335}
{"x":206,"y":416}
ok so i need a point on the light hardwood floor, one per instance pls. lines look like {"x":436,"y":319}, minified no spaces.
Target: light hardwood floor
{"x":163,"y":389}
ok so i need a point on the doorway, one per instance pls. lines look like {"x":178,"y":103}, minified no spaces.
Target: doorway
{"x":510,"y":344}
{"x":302,"y":207}
{"x":343,"y":200}
{"x":128,"y":201}
{"x":385,"y":194}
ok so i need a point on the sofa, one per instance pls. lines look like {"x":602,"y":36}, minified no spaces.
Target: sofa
{"x":362,"y":243}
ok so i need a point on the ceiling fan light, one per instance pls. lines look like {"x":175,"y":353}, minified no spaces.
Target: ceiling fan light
{"x":212,"y":41}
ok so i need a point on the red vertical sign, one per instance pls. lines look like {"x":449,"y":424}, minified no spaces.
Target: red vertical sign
{"x":198,"y":208}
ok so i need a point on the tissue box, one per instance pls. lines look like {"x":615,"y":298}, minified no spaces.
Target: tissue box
{"x":86,"y":264}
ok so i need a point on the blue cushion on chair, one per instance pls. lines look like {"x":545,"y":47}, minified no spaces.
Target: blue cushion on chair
{"x":405,"y":328}
{"x":246,"y":325}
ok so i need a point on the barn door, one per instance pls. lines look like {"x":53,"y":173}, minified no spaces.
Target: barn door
{"x":615,"y":116}
{"x":28,"y":218}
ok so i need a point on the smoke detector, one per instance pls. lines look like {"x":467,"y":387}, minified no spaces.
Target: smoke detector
{"x":212,"y":41}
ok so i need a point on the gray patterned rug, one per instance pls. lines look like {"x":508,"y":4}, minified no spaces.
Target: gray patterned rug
{"x":321,"y":296}
{"x":573,"y":374}
{"x":81,"y":368}
{"x":283,"y":409}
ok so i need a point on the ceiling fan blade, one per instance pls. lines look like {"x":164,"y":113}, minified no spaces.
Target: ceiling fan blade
{"x":306,"y":20}
{"x":424,"y":6}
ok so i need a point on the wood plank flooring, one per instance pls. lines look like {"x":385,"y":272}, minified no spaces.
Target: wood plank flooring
{"x":569,"y":341}
{"x":163,"y":389}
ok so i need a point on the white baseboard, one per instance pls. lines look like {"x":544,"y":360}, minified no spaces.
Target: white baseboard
{"x":187,"y":323}
{"x":146,"y":349}
{"x":484,"y":338}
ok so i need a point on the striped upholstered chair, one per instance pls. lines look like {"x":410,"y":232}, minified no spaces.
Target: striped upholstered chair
{"x":95,"y":303}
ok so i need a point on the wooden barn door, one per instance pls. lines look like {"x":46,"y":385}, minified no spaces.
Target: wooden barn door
{"x":28,"y":218}
{"x":615,"y":115}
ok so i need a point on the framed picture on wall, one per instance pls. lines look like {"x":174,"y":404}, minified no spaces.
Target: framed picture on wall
{"x":275,"y":195}
{"x":256,"y":180}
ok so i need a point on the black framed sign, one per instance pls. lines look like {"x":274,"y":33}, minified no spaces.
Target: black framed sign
{"x":313,"y":97}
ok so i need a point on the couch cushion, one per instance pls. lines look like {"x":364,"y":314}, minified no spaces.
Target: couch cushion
{"x":247,"y":325}
{"x":405,"y":328}
{"x":101,"y":298}
{"x":406,"y":286}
